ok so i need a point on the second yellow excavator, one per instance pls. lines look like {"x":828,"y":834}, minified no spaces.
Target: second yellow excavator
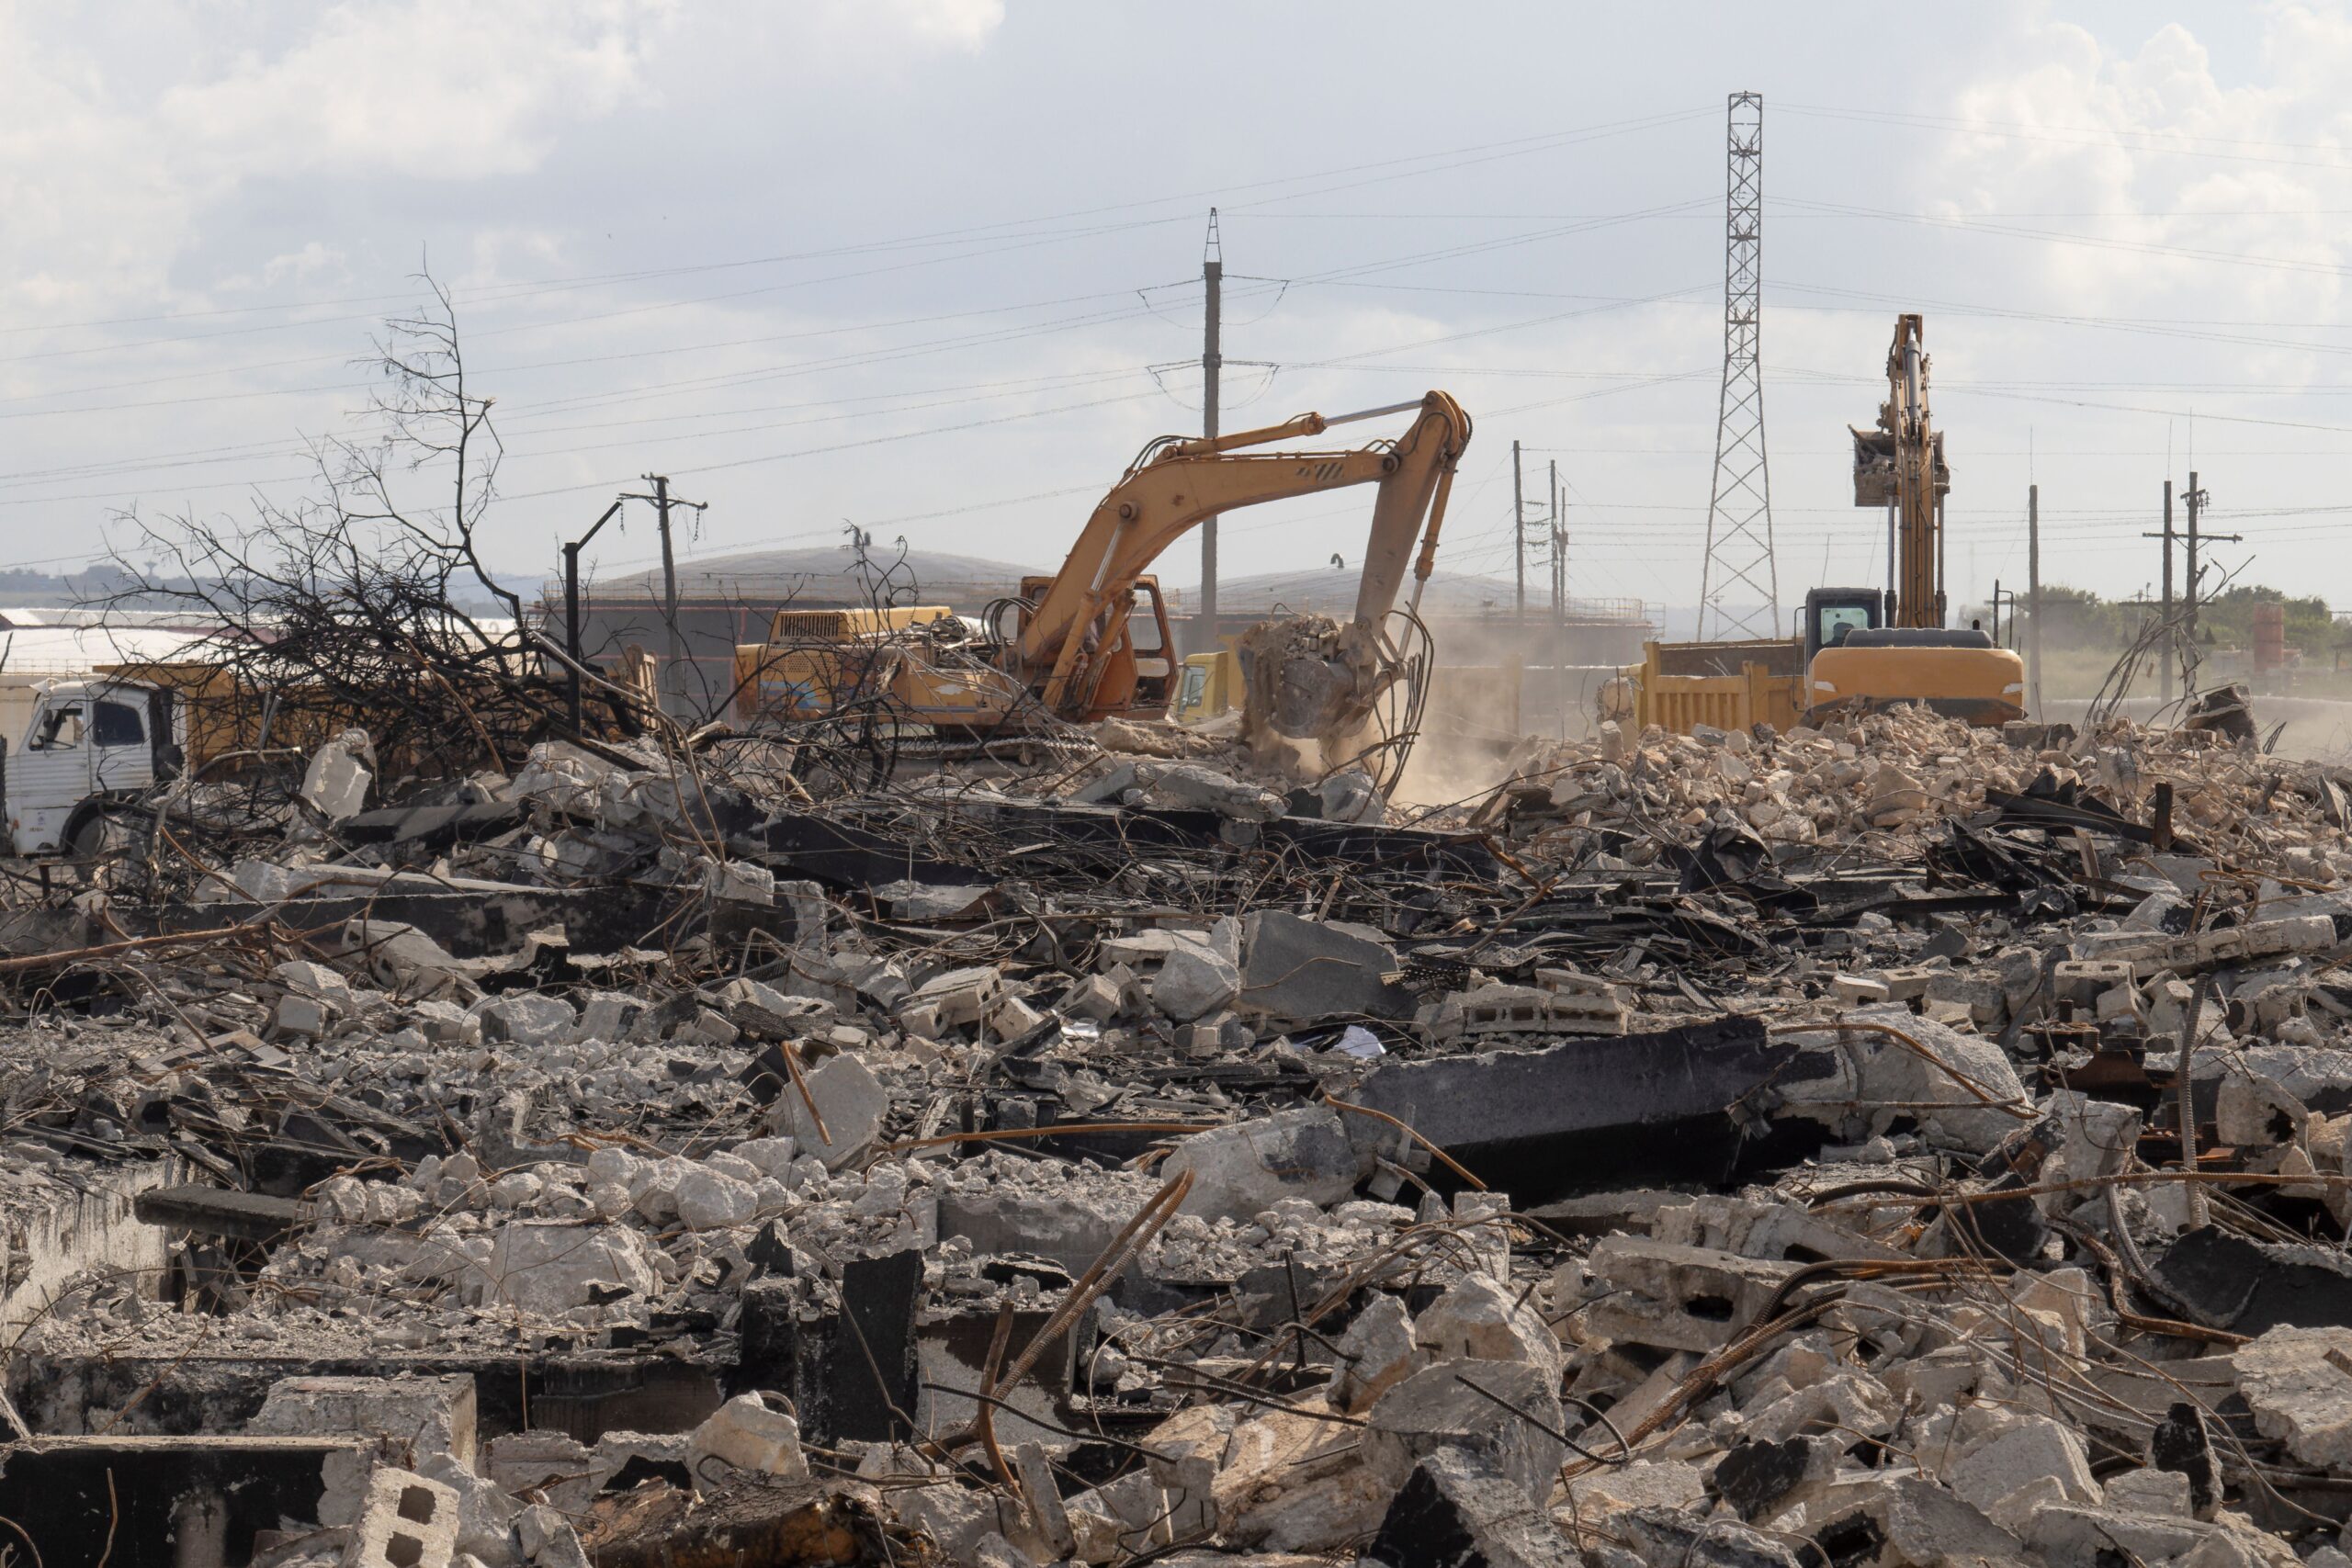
{"x":1867,"y":649}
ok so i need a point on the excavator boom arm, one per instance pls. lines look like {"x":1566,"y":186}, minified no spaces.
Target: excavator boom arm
{"x":1161,"y":500}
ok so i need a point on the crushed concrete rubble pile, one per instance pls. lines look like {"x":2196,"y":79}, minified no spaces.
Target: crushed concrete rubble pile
{"x":1897,"y":1144}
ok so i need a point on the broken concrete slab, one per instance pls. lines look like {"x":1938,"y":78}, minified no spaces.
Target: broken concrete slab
{"x":1301,"y":971}
{"x":1536,"y":1123}
{"x":1241,"y":1169}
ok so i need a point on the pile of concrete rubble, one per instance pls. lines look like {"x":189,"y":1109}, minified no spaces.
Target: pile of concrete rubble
{"x":1893,"y":1145}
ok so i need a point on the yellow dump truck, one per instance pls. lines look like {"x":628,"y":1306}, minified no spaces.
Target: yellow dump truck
{"x":1730,"y":685}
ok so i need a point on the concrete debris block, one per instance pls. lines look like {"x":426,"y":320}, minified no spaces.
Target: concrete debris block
{"x":955,"y":1519}
{"x":1376,"y":1353}
{"x":745,"y":1433}
{"x":1047,"y":1521}
{"x":958,"y":998}
{"x":2298,"y":1383}
{"x":486,"y":1511}
{"x":1293,"y":1482}
{"x":1904,"y":983}
{"x":1480,"y":1318}
{"x":2021,"y":1450}
{"x":1591,"y":1007}
{"x":737,"y":882}
{"x":405,"y":961}
{"x":763,"y":1012}
{"x":1755,"y":1229}
{"x":1457,"y":1508}
{"x":1350,"y":796}
{"x":336,"y":781}
{"x":1848,"y":1400}
{"x":2083,"y":981}
{"x":850,"y":1098}
{"x":1857,"y":990}
{"x":1921,"y":1522}
{"x":1186,"y":1452}
{"x":1659,"y":1536}
{"x":1454,"y":1404}
{"x":1673,"y":1297}
{"x":2253,"y":1111}
{"x":551,"y":1268}
{"x":410,"y":1415}
{"x":2067,"y":1537}
{"x":1589,"y":1500}
{"x":710,"y":1200}
{"x":1966,"y":1087}
{"x":1188,"y":787}
{"x":527,"y":1018}
{"x":2164,"y":1493}
{"x":2094,"y":1139}
{"x":1193,"y":981}
{"x":549,"y":1540}
{"x":1012,"y":1018}
{"x":294,"y":1016}
{"x":1981,"y":995}
{"x":607,"y":1016}
{"x":1248,"y":1166}
{"x":406,"y":1520}
{"x":1093,"y":996}
{"x":1300,"y":971}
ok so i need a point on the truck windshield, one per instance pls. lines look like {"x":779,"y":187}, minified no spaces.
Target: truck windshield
{"x":59,"y":730}
{"x":1839,"y":619}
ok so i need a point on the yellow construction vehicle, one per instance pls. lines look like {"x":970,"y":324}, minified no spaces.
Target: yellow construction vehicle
{"x":1861,"y":647}
{"x":1867,"y":649}
{"x":1092,"y":641}
{"x":1210,"y":686}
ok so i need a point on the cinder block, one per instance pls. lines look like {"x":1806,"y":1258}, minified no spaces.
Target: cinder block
{"x":407,"y":1521}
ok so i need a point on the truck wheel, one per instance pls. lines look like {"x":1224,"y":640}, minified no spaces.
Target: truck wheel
{"x":99,"y":842}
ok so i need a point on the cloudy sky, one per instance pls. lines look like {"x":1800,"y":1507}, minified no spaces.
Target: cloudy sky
{"x":932,"y":265}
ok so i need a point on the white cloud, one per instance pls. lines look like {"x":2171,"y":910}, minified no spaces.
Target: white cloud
{"x":106,"y":175}
{"x":951,"y":23}
{"x":312,"y":261}
{"x":432,"y":88}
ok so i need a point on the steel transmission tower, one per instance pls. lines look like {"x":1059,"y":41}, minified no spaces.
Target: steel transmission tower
{"x":1740,"y":588}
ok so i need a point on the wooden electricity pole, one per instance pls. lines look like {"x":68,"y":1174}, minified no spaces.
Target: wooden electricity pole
{"x":1212,"y":362}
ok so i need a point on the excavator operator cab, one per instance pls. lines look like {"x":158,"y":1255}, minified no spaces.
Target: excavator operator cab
{"x":1831,"y":612}
{"x":1133,"y":670}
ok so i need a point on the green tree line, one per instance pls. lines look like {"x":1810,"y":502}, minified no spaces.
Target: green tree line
{"x":2076,"y":617}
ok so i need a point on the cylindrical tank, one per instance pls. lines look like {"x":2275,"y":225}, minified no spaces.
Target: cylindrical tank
{"x":2269,"y":635}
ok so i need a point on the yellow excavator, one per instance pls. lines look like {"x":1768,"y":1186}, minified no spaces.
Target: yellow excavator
{"x":1092,"y":641}
{"x":1869,"y":648}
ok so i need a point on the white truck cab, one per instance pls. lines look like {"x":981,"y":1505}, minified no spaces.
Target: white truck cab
{"x":89,"y":744}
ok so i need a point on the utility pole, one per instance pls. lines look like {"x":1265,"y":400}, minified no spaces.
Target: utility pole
{"x":668,"y":582}
{"x":2166,"y":657}
{"x":2034,"y":598}
{"x":1212,"y":364}
{"x":1519,"y":530}
{"x":2171,"y":648}
{"x":674,"y":673}
{"x":2198,"y":502}
{"x":571,"y":608}
{"x":1560,"y":570}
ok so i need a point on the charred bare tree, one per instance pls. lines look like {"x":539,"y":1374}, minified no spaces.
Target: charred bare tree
{"x":350,"y":608}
